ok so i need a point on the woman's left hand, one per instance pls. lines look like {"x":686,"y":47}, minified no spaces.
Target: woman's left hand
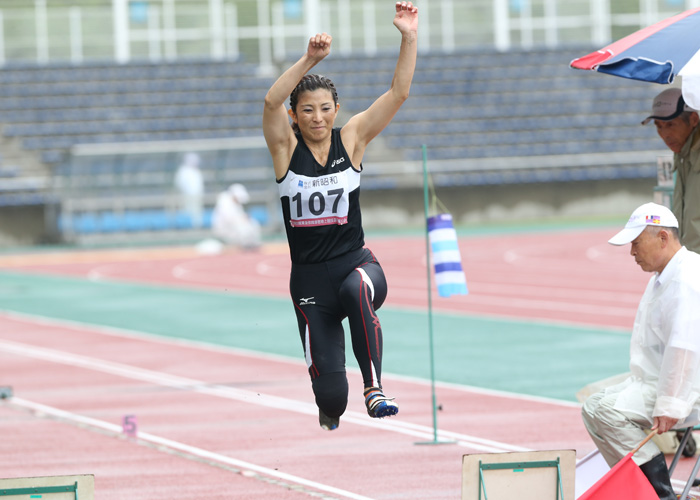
{"x":406,"y":18}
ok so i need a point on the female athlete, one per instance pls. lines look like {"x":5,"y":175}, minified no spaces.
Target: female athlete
{"x":318,"y":167}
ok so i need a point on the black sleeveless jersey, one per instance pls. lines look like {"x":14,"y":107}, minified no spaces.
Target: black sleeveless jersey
{"x":321,"y":204}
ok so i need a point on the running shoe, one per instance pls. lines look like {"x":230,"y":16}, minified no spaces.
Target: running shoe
{"x":378,"y":405}
{"x":327,"y":423}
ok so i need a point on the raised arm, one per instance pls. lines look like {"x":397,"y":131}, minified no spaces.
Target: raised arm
{"x":365,"y":126}
{"x":279,"y":135}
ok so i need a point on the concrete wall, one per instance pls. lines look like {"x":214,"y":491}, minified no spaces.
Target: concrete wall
{"x":514,"y":202}
{"x":22,"y":225}
{"x":404,"y":208}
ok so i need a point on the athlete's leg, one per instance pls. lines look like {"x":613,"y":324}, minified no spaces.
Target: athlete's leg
{"x":324,"y":351}
{"x":361,"y":293}
{"x":322,"y":337}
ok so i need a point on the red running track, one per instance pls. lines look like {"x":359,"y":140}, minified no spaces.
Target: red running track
{"x":221,"y":424}
{"x":569,"y":277}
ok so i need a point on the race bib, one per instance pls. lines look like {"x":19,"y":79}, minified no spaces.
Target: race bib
{"x":319,"y":201}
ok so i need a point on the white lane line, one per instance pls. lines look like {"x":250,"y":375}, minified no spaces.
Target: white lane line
{"x":504,"y":299}
{"x":250,"y":397}
{"x":238,"y":351}
{"x":600,"y":295}
{"x":79,"y":326}
{"x":184,"y":448}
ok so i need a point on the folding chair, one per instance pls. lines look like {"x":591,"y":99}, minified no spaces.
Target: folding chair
{"x":685,"y":442}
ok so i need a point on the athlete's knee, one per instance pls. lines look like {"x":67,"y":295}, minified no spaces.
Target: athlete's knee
{"x":363,"y":284}
{"x":349,"y":288}
{"x":373,"y":274}
{"x":331,"y":391}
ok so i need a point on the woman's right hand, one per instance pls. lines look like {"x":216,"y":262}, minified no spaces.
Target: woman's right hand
{"x":406,"y":19}
{"x":319,"y":46}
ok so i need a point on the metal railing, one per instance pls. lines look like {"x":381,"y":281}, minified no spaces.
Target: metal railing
{"x":262,"y":31}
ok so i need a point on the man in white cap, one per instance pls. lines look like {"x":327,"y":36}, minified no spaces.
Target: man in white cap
{"x":663,"y":390}
{"x":677,"y":125}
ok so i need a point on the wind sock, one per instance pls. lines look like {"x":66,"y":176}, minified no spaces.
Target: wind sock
{"x":449,"y":276}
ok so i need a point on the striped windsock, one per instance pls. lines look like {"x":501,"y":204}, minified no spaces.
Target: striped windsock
{"x":449,"y":276}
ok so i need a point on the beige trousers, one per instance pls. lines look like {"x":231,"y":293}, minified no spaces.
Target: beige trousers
{"x":614,"y":433}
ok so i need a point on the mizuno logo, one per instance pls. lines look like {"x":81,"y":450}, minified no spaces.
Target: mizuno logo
{"x":305,"y":302}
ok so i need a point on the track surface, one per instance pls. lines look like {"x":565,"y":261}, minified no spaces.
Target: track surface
{"x":233,"y":417}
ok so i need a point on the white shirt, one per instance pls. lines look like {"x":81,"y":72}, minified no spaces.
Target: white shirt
{"x":665,"y":346}
{"x":228,"y":214}
{"x":189,"y":180}
{"x":231,"y":223}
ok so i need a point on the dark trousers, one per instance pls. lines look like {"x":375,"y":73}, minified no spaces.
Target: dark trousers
{"x":352,"y":286}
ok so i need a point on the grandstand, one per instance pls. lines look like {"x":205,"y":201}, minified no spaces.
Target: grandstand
{"x":77,"y":122}
{"x":89,"y":150}
{"x":486,"y":118}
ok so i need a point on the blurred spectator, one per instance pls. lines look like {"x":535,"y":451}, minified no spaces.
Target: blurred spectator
{"x":677,"y":125}
{"x":231,"y":223}
{"x":189,"y":182}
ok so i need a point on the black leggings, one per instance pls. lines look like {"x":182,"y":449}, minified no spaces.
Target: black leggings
{"x":324,"y":294}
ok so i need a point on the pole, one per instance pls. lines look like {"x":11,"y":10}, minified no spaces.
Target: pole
{"x":120,"y":14}
{"x":430,"y":302}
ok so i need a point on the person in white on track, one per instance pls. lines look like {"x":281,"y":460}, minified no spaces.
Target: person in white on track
{"x":231,"y":223}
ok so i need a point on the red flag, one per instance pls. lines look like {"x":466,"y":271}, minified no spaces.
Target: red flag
{"x":625,"y":481}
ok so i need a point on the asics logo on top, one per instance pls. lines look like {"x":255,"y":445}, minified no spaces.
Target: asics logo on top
{"x":335,"y":162}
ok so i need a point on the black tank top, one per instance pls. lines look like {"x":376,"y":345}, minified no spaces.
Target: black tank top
{"x":321,"y":204}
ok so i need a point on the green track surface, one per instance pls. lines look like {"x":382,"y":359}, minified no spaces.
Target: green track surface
{"x":524,"y":357}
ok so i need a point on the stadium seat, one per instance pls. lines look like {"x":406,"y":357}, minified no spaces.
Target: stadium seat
{"x":83,"y":224}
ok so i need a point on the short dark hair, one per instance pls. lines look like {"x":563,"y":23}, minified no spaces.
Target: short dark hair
{"x":686,"y":115}
{"x":309,"y":83}
{"x":675,"y":232}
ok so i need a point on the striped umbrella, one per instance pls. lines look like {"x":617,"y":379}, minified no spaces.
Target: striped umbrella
{"x":657,"y":53}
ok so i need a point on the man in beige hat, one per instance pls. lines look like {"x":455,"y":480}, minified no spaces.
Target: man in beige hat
{"x":663,"y":390}
{"x":677,"y":125}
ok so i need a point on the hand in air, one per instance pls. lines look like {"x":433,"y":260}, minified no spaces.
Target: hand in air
{"x":319,"y":46}
{"x":406,"y":18}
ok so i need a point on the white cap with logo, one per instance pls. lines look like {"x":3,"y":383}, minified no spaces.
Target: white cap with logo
{"x":667,"y":105}
{"x":649,"y":214}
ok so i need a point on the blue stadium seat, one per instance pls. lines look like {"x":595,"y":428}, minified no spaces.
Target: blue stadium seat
{"x":109,"y":222}
{"x":182,"y":221}
{"x":136,"y":221}
{"x":260,"y":214}
{"x":206,"y":218}
{"x":84,"y":223}
{"x":159,"y":220}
